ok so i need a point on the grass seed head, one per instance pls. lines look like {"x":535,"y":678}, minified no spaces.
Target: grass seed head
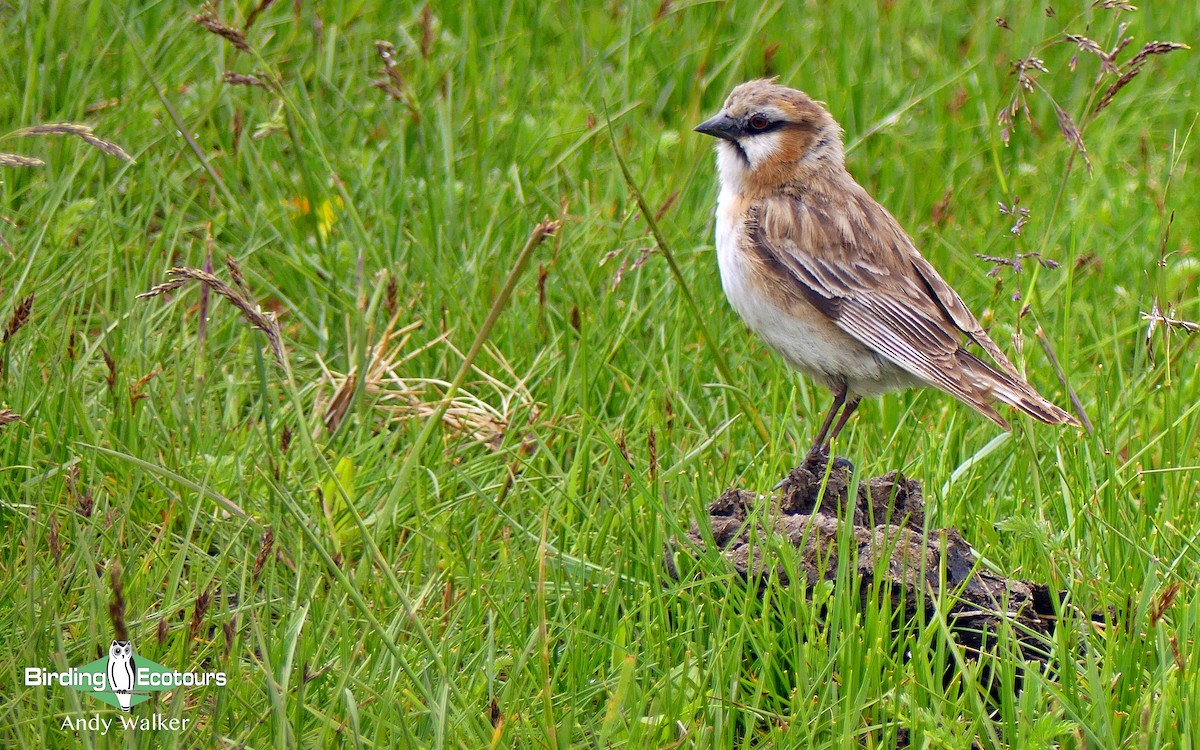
{"x":78,"y":130}
{"x":207,"y":18}
{"x":20,"y":316}
{"x":116,"y":606}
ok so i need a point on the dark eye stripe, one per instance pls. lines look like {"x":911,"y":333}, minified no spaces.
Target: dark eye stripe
{"x":771,"y":125}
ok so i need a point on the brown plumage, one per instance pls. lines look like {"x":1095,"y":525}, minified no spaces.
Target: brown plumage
{"x":828,"y":277}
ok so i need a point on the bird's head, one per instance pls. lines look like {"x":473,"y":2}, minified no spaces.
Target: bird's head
{"x":771,"y":135}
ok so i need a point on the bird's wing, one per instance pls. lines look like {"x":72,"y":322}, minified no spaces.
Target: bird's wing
{"x":856,"y":265}
{"x":958,"y":313}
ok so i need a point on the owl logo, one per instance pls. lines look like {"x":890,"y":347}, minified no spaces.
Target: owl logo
{"x":122,"y":674}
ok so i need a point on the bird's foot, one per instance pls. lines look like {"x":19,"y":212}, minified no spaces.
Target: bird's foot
{"x":815,"y":462}
{"x":818,"y":458}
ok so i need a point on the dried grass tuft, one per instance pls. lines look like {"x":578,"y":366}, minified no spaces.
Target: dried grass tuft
{"x":400,"y":398}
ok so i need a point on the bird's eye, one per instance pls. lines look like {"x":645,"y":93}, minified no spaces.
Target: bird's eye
{"x":759,"y":122}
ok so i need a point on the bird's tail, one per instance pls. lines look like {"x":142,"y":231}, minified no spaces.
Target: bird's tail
{"x":991,"y":385}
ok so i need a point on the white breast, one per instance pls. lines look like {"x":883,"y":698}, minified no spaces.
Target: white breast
{"x":802,"y":335}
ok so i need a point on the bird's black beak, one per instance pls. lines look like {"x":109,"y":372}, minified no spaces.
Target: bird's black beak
{"x":721,"y":126}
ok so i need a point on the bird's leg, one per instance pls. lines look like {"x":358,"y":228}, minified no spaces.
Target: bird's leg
{"x":851,"y":405}
{"x":820,"y":445}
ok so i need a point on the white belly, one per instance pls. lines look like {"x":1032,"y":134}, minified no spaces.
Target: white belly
{"x":808,"y":342}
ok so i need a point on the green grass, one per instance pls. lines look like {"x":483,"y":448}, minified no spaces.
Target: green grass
{"x":512,"y":594}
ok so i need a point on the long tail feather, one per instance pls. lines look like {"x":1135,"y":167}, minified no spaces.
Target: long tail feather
{"x":990,"y":385}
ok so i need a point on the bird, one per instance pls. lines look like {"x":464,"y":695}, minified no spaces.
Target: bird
{"x":828,"y":278}
{"x":122,"y":673}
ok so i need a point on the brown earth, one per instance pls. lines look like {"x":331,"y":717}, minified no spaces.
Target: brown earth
{"x":894,"y":554}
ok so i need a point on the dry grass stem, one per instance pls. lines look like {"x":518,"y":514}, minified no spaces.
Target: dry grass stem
{"x":78,"y":130}
{"x":81,"y":499}
{"x":1133,"y":68}
{"x":1089,"y":46}
{"x":392,"y":83}
{"x":17,"y":160}
{"x":235,"y":273}
{"x":207,"y":18}
{"x":1076,"y":404}
{"x":1014,"y":262}
{"x":388,"y":347}
{"x":1118,"y":5}
{"x":625,"y":266}
{"x":101,"y":105}
{"x":239,"y":79}
{"x":1069,"y":130}
{"x":263,"y":321}
{"x":1156,"y":318}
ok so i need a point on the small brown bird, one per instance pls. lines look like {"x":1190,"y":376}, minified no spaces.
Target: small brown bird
{"x":826,"y":276}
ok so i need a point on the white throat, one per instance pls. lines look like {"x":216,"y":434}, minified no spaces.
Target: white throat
{"x":736,"y":162}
